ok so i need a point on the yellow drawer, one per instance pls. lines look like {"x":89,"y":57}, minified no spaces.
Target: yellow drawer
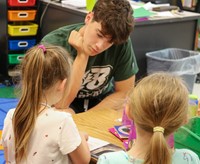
{"x":22,"y":29}
{"x":21,"y":15}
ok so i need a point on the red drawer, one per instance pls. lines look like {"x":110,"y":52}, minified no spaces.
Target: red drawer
{"x":21,"y":2}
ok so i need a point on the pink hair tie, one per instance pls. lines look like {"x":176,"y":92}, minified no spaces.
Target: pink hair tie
{"x":42,"y":47}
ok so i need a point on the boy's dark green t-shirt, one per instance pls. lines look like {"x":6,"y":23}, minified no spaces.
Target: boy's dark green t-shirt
{"x":116,"y":63}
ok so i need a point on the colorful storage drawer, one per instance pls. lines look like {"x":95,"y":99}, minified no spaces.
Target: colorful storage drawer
{"x":15,"y":58}
{"x":21,"y":44}
{"x":21,"y":15}
{"x":22,"y":29}
{"x":21,"y":2}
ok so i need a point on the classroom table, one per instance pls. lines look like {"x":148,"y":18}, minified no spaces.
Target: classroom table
{"x":97,"y":122}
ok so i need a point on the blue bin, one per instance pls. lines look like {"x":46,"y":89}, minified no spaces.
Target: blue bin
{"x":21,"y":44}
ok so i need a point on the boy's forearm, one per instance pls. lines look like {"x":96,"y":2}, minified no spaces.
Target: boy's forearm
{"x":78,"y":70}
{"x":116,"y":99}
{"x":113,"y":101}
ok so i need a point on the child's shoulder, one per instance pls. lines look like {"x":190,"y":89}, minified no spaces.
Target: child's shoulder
{"x":53,"y":118}
{"x":112,"y":157}
{"x":186,"y":156}
{"x":56,"y":113}
{"x":10,"y":113}
{"x":117,"y":157}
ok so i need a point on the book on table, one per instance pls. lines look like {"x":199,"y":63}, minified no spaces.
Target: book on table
{"x":98,"y":147}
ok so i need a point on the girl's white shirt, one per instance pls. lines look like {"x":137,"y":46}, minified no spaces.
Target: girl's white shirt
{"x":55,"y":135}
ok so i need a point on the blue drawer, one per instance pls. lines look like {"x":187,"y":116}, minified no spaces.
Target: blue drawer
{"x":21,"y":44}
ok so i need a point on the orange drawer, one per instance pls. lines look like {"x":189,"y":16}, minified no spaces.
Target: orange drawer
{"x":21,"y":15}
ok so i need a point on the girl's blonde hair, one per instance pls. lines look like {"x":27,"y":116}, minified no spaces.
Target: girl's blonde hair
{"x":160,"y":99}
{"x":41,"y":68}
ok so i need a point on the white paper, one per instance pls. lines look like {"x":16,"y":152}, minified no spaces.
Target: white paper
{"x":95,"y":143}
{"x":164,"y":14}
{"x":150,"y":6}
{"x":75,"y":3}
{"x":147,"y":6}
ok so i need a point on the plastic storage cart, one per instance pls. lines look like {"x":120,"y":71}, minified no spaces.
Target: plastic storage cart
{"x":188,"y":136}
{"x":181,"y":62}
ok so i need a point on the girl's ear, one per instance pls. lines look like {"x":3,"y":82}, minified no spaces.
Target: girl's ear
{"x":127,"y":111}
{"x":89,"y":17}
{"x":62,"y":84}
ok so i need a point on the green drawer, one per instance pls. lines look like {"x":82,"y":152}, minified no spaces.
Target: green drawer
{"x":15,"y":58}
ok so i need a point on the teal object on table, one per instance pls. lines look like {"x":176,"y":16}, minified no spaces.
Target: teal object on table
{"x":141,"y":12}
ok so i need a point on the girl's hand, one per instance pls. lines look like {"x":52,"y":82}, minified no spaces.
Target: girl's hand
{"x":84,"y":134}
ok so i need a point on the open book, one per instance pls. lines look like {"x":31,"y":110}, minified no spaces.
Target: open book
{"x":98,"y":147}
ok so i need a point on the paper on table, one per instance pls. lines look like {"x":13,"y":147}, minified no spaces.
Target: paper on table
{"x":142,"y":12}
{"x":95,"y":143}
{"x":163,"y":14}
{"x":150,"y":6}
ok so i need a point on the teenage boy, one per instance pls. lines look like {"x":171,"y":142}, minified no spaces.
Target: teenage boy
{"x":104,"y":64}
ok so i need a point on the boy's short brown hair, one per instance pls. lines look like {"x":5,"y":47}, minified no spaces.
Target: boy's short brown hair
{"x":116,"y":18}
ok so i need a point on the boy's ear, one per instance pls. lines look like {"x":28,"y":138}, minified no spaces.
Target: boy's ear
{"x":89,"y":17}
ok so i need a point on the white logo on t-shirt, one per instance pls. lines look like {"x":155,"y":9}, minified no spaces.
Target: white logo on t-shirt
{"x":95,"y":81}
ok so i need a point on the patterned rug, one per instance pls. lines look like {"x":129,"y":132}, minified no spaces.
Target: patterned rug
{"x":5,"y":105}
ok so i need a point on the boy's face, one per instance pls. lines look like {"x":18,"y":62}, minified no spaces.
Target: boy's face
{"x":94,"y":41}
